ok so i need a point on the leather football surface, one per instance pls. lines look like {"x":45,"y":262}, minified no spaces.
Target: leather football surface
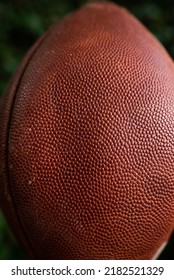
{"x":86,"y":140}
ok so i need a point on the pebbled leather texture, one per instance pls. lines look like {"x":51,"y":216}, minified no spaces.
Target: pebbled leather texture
{"x":88,"y":137}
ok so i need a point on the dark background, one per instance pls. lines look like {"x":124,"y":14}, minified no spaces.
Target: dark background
{"x":22,"y":22}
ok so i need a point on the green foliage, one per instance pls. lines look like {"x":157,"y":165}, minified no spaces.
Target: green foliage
{"x":22,"y":22}
{"x":9,"y":249}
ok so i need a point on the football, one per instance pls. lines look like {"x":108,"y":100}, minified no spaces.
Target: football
{"x":87,"y":140}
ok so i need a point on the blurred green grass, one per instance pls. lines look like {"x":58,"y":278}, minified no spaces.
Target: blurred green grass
{"x":22,"y":22}
{"x":9,"y":248}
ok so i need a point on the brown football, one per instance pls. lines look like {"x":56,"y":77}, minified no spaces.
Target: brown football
{"x":87,"y":140}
